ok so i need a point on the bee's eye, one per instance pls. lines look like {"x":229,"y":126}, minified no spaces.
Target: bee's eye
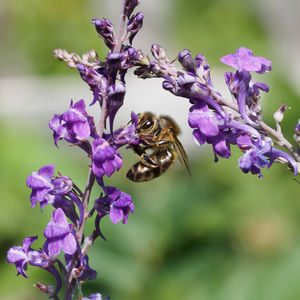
{"x":147,"y":125}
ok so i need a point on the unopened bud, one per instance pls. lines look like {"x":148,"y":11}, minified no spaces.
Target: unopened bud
{"x":47,"y":289}
{"x":279,"y":114}
{"x":159,"y":52}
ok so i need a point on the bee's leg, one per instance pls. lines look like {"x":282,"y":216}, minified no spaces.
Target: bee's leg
{"x":162,"y":143}
{"x":138,"y":150}
{"x":145,"y":159}
{"x":148,"y":161}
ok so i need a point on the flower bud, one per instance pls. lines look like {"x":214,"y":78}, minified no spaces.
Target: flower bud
{"x":106,"y":30}
{"x":159,"y":52}
{"x":134,"y":25}
{"x":186,"y":60}
{"x":49,"y":290}
{"x":279,"y":114}
{"x":129,"y":6}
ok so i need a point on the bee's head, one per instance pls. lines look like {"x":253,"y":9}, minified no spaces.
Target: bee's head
{"x":147,"y":123}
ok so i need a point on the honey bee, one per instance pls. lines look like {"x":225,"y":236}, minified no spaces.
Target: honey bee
{"x":158,"y":134}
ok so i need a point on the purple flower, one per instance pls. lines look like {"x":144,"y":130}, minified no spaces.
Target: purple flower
{"x":59,"y":234}
{"x":105,"y":158}
{"x":261,"y":155}
{"x":95,"y":80}
{"x":126,"y":135}
{"x":116,"y":203}
{"x":75,"y":125}
{"x":41,"y":184}
{"x":20,"y":256}
{"x":243,"y":60}
{"x":246,"y":92}
{"x":210,"y":128}
{"x":49,"y":190}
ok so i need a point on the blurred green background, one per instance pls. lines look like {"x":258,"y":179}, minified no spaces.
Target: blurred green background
{"x":218,"y":235}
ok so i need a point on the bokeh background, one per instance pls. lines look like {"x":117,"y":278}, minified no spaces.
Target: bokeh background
{"x":219,"y":234}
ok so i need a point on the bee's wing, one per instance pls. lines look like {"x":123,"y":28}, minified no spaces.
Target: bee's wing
{"x":183,"y":157}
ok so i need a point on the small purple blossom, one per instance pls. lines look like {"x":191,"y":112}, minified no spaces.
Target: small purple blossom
{"x":259,"y":156}
{"x":243,"y":60}
{"x":126,"y":135}
{"x":210,"y":128}
{"x":116,"y":203}
{"x":95,"y":80}
{"x":40,"y":183}
{"x":21,"y":256}
{"x":59,"y":234}
{"x":75,"y":125}
{"x":106,"y":160}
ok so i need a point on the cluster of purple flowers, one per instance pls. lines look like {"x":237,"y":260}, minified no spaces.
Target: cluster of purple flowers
{"x":65,"y":231}
{"x":213,"y":120}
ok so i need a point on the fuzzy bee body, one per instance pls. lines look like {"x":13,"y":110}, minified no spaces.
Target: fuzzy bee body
{"x":140,"y":172}
{"x":159,"y":135}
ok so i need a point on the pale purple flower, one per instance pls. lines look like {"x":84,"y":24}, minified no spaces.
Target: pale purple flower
{"x":257,"y":156}
{"x":59,"y":234}
{"x":243,"y":60}
{"x":21,"y":256}
{"x":75,"y":125}
{"x":40,"y":183}
{"x":209,"y":128}
{"x":95,"y":80}
{"x":106,"y":159}
{"x":126,"y":135}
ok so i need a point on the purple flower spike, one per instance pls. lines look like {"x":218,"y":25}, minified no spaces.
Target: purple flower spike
{"x":41,"y":184}
{"x":105,"y":158}
{"x":59,"y":235}
{"x":243,"y":60}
